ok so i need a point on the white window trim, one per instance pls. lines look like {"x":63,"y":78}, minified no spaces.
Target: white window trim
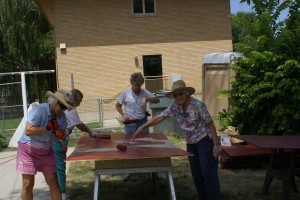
{"x":144,"y":14}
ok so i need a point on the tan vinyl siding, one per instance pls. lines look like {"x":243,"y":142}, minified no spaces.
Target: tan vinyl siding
{"x":102,"y":37}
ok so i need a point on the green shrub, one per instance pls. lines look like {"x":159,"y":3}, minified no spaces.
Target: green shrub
{"x":265,"y":96}
{"x":3,"y":142}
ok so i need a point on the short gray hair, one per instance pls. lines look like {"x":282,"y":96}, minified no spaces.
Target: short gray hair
{"x":137,"y":79}
{"x":52,"y":100}
{"x":78,"y":96}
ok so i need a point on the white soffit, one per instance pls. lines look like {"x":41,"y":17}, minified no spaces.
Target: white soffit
{"x":221,"y":57}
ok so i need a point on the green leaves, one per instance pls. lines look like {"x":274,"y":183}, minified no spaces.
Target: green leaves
{"x":23,"y":36}
{"x":265,"y":96}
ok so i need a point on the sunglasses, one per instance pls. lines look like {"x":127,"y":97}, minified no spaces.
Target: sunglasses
{"x":178,"y":94}
{"x":71,"y":100}
{"x":62,"y":106}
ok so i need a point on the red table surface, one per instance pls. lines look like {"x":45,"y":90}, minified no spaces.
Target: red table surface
{"x":153,"y":145}
{"x":272,"y":142}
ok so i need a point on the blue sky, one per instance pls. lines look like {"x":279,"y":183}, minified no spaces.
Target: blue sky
{"x":236,"y":6}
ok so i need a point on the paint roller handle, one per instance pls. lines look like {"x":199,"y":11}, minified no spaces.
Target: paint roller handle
{"x":130,"y":121}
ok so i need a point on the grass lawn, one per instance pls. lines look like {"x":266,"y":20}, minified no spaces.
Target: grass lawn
{"x":243,"y":184}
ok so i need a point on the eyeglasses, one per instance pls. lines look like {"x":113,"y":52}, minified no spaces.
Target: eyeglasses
{"x":71,"y":100}
{"x":62,"y":106}
{"x":136,"y":86}
{"x":178,"y":94}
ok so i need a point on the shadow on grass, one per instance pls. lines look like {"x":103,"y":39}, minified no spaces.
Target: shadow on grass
{"x":236,"y":184}
{"x":139,"y":186}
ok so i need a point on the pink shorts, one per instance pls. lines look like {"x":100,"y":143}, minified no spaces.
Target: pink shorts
{"x":31,"y":160}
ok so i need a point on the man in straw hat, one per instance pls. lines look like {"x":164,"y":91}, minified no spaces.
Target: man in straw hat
{"x":60,"y":147}
{"x":45,"y":122}
{"x":200,"y":134}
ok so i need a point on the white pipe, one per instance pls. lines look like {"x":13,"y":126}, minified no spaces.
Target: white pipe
{"x":28,"y":72}
{"x":72,"y":81}
{"x":24,"y":95}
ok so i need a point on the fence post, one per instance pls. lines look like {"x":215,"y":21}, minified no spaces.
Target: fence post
{"x":72,"y":81}
{"x":100,"y":110}
{"x":24,"y":95}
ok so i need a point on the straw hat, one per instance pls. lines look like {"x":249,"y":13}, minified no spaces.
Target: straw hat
{"x":64,"y":97}
{"x":179,"y":85}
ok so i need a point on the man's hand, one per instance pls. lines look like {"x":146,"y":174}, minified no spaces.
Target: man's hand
{"x":137,"y":134}
{"x":143,"y":103}
{"x":216,"y":152}
{"x":52,"y":125}
{"x":93,"y":134}
{"x":59,"y":134}
{"x":125,"y":117}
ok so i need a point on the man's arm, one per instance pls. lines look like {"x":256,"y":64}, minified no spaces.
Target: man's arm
{"x":157,"y":119}
{"x":83,"y":127}
{"x":152,"y":100}
{"x":120,"y":110}
{"x":213,"y":132}
{"x":149,"y":99}
{"x":216,"y":149}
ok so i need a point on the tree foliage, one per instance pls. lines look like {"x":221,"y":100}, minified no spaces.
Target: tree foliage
{"x":26,"y":40}
{"x":25,"y":36}
{"x":265,"y":93}
{"x":241,"y":26}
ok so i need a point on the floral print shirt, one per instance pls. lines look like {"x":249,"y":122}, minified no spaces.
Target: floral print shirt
{"x":192,"y":119}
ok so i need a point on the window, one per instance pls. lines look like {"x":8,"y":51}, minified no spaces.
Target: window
{"x":143,"y":7}
{"x":152,"y":65}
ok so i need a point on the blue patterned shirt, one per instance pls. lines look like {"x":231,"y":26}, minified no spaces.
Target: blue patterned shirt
{"x":192,"y":119}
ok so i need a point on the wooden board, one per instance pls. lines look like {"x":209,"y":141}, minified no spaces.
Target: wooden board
{"x":153,"y":145}
{"x":271,"y":141}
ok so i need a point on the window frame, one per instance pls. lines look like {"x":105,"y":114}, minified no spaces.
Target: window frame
{"x":144,"y":14}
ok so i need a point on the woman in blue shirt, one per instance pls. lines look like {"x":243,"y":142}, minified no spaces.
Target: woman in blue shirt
{"x":45,"y":122}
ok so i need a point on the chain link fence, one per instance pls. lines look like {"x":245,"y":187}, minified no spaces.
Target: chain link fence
{"x":11,"y":107}
{"x":102,"y":113}
{"x":95,"y":113}
{"x":35,"y":83}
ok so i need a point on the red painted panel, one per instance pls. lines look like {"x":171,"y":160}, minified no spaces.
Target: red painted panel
{"x":153,"y":145}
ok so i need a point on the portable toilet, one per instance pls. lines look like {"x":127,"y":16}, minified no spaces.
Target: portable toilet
{"x":215,"y":78}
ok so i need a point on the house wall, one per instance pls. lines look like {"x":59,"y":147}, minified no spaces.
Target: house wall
{"x":102,"y":37}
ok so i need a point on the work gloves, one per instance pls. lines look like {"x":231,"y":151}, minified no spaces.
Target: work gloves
{"x":59,"y":134}
{"x":53,"y":126}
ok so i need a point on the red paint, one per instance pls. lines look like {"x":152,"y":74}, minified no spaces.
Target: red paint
{"x":122,"y":147}
{"x":64,"y":149}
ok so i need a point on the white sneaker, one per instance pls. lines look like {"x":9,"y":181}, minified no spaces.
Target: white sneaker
{"x":65,"y":196}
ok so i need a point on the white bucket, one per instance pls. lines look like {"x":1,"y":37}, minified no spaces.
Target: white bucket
{"x":175,"y":77}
